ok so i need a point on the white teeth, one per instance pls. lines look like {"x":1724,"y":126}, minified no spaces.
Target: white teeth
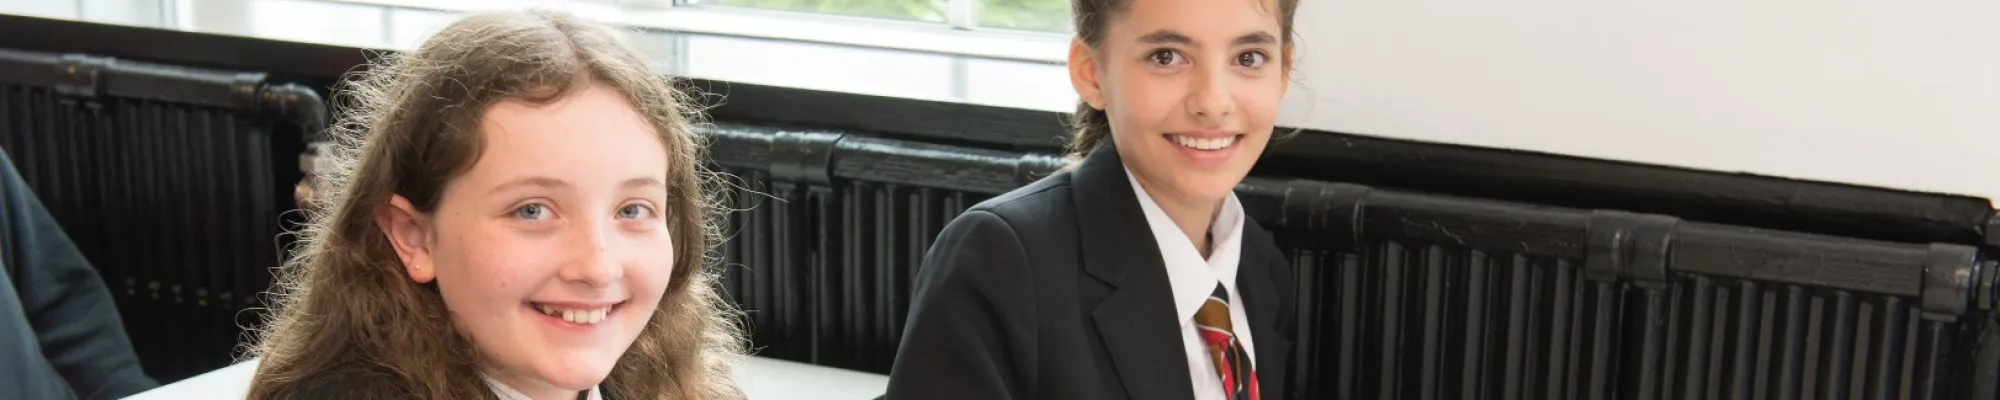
{"x":581,"y":317}
{"x":1205,"y":144}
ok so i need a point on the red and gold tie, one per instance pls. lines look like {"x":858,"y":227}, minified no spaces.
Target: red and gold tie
{"x":1239,"y":378}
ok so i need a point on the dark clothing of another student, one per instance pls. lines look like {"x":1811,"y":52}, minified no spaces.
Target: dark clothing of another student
{"x":60,"y":335}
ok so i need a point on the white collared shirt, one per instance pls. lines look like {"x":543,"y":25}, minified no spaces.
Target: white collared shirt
{"x":507,"y":393}
{"x":1194,"y":279}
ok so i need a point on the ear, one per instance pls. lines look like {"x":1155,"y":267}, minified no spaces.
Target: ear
{"x":1083,"y":73}
{"x":409,"y":232}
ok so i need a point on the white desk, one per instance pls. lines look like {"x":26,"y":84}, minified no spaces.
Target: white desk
{"x":761,"y":378}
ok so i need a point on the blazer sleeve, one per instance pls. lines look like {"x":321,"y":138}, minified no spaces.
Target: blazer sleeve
{"x":971,"y":327}
{"x":70,"y":309}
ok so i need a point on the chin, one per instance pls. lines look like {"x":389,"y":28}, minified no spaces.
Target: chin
{"x":576,"y":372}
{"x":1209,"y":185}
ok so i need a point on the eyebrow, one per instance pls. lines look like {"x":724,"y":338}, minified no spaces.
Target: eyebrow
{"x":644,"y":182}
{"x":1169,"y":36}
{"x":1166,"y":36}
{"x":1258,"y":37}
{"x":553,"y":183}
{"x":531,"y":181}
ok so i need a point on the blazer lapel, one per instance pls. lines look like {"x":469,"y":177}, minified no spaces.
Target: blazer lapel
{"x":1137,"y":321}
{"x":1262,"y":301}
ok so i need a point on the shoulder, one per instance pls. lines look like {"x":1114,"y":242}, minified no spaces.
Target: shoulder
{"x":1032,"y":208}
{"x":994,"y":242}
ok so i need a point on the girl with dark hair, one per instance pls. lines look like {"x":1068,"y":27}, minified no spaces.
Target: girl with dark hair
{"x":1134,"y":274}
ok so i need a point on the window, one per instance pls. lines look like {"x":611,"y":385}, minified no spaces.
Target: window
{"x":995,"y":52}
{"x":333,"y":23}
{"x":914,"y":10}
{"x":1035,"y":15}
{"x":1031,"y":15}
{"x":150,"y":13}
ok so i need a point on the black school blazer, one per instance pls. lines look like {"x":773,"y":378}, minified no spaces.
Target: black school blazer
{"x":1057,"y":290}
{"x":363,"y":383}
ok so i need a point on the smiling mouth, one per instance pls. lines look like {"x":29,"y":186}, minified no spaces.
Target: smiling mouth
{"x":1208,"y":143}
{"x":579,"y":316}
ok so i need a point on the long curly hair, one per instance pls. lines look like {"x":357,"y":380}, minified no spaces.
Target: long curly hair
{"x":343,"y":303}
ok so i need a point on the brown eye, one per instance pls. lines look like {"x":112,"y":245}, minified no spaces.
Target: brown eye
{"x":1164,"y":57}
{"x":1252,"y":59}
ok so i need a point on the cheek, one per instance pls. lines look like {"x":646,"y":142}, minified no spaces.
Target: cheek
{"x":1257,"y":104}
{"x":1257,"y":101}
{"x":1143,"y":102}
{"x":488,"y":269}
{"x":649,"y":271}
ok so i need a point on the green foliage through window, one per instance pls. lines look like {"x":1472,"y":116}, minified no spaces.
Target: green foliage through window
{"x":1039,"y":15}
{"x":917,"y":10}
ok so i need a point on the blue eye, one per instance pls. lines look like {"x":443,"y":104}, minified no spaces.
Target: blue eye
{"x":533,"y":211}
{"x":635,"y":211}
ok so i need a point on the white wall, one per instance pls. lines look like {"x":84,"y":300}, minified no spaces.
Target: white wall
{"x":1903,"y":94}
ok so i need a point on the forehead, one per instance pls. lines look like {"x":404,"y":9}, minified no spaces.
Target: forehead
{"x":587,"y":135}
{"x":1198,"y":18}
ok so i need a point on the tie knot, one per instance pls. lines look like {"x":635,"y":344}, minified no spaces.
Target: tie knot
{"x":1232,"y":363}
{"x":1214,"y":312}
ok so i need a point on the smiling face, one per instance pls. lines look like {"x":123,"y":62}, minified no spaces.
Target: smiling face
{"x":551,"y":251}
{"x":1191,"y":90}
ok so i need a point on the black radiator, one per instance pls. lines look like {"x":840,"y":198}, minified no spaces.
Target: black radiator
{"x":168,"y":180}
{"x":1416,"y":296}
{"x":823,"y":265}
{"x":1403,"y":295}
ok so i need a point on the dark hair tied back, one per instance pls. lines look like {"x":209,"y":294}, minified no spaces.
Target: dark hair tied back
{"x":1092,"y":126}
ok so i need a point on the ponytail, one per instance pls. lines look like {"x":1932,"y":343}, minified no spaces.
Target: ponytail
{"x":1090,"y":127}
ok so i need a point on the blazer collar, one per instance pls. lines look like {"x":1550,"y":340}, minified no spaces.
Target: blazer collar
{"x":1137,"y":320}
{"x":1115,"y":236}
{"x":1262,"y":299}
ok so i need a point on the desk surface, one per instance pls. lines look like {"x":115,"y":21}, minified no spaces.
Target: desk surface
{"x":761,"y":378}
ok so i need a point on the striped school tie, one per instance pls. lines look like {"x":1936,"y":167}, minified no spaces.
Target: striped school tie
{"x":1232,"y":364}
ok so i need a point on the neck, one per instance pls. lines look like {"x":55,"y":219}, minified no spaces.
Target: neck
{"x":534,"y":388}
{"x":549,"y":392}
{"x":1192,"y":216}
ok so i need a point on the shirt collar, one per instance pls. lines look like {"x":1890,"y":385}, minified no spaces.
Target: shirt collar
{"x":507,"y":393}
{"x":1193,"y":278}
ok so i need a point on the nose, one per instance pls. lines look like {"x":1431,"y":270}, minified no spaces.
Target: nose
{"x":593,"y":260}
{"x":1209,"y":99}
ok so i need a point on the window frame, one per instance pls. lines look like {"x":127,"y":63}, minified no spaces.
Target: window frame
{"x":667,"y":32}
{"x":958,"y":36}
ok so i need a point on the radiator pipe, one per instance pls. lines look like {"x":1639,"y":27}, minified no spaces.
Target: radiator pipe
{"x":307,"y":110}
